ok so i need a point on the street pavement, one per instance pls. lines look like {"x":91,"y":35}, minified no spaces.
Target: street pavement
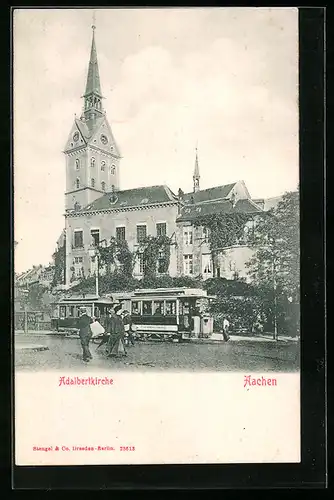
{"x":235,"y":355}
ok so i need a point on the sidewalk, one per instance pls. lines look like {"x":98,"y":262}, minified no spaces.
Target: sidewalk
{"x":217,"y":338}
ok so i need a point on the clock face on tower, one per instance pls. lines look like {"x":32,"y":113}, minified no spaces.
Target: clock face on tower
{"x":104,"y":139}
{"x":76,"y":137}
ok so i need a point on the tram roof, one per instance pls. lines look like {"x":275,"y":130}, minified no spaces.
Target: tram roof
{"x":180,"y":292}
{"x":86,"y":300}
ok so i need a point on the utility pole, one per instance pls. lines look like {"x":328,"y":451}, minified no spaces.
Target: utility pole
{"x":97,"y":274}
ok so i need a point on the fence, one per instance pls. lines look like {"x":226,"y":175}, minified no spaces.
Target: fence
{"x":36,"y":321}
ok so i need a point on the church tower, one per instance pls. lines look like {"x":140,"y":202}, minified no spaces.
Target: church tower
{"x":92,"y":155}
{"x":196,"y":175}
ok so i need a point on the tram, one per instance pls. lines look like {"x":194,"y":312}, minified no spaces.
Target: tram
{"x":67,"y":312}
{"x":171,"y":314}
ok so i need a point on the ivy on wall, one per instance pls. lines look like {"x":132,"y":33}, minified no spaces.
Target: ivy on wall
{"x":156,"y":255}
{"x":116,"y":252}
{"x":225,"y":229}
{"x":59,"y":262}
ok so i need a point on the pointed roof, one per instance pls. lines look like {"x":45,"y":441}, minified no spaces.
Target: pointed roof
{"x":193,"y":212}
{"x":93,"y":76}
{"x":210,"y":194}
{"x":196,"y":169}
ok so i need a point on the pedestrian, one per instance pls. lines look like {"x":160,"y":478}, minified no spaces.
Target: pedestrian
{"x":85,"y":333}
{"x":128,"y":326}
{"x":107,"y":329}
{"x":116,"y":340}
{"x":226,"y":327}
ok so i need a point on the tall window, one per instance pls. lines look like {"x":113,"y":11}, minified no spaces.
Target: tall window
{"x":78,"y":239}
{"x":77,"y":183}
{"x":206,"y":265}
{"x":92,"y":162}
{"x":92,"y":182}
{"x":95,"y":234}
{"x":141,"y":233}
{"x":77,"y":164}
{"x":161,"y":229}
{"x":103,"y":186}
{"x":112,"y":169}
{"x":141,"y":263}
{"x":206,"y":234}
{"x":103,"y":166}
{"x":232,"y":265}
{"x":188,"y":265}
{"x":78,"y":266}
{"x":188,"y":235}
{"x":161,"y":262}
{"x":120,"y":233}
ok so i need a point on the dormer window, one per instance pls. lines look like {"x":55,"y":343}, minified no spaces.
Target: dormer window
{"x":77,"y":164}
{"x":92,"y":162}
{"x":113,"y":198}
{"x":92,"y":182}
{"x":103,"y":166}
{"x":77,"y":183}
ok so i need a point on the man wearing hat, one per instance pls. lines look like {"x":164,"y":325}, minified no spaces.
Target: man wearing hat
{"x":85,"y":333}
{"x":116,"y":340}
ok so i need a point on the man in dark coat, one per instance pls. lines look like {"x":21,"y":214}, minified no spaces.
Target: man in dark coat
{"x":116,"y":328}
{"x":85,"y":333}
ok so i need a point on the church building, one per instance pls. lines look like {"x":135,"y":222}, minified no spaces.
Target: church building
{"x":96,"y":207}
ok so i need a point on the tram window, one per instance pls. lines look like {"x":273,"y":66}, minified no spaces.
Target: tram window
{"x":62,"y":312}
{"x":170,"y":308}
{"x":185,"y":307}
{"x":158,"y":307}
{"x":136,"y":308}
{"x":147,"y":307}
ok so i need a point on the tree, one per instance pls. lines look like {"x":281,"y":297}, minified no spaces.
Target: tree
{"x":275,"y":265}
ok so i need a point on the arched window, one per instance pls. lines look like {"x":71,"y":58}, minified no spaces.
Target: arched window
{"x":93,"y":182}
{"x":92,"y":162}
{"x":112,"y":169}
{"x":77,"y":164}
{"x":103,"y":185}
{"x":77,"y":182}
{"x":103,"y":166}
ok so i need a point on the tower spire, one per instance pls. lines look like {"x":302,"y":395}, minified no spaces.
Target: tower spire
{"x":196,"y":176}
{"x":93,"y":94}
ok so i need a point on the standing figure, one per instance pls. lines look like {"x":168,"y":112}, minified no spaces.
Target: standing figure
{"x":127,"y":320}
{"x":116,"y":340}
{"x":226,"y":327}
{"x":107,"y":328}
{"x":85,"y":333}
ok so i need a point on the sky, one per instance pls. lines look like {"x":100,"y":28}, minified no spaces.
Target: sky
{"x":222,"y":79}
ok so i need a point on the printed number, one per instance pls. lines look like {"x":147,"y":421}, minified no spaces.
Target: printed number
{"x":127,"y":448}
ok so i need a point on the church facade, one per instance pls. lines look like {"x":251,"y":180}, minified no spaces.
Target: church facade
{"x":96,"y":208}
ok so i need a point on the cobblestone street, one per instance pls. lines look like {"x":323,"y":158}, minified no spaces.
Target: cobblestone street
{"x":241,"y":355}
